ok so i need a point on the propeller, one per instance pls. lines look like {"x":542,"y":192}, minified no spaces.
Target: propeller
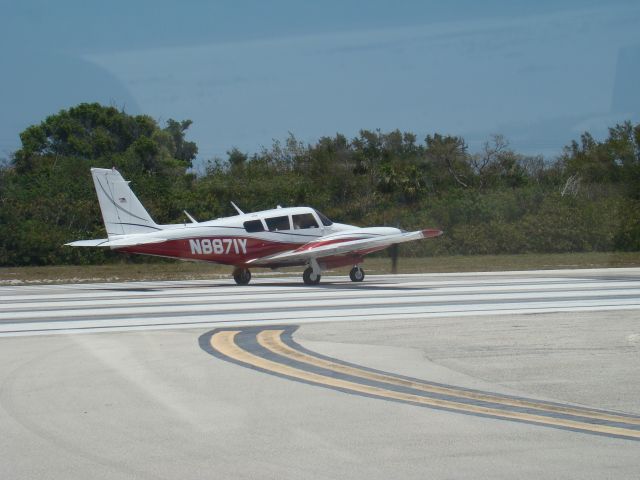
{"x":393,"y":253}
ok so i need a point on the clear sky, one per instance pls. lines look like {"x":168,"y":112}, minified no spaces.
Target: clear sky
{"x":247,"y":72}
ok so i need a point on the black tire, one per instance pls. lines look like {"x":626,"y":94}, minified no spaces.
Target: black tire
{"x":307,"y":276}
{"x":242,"y":276}
{"x":356,"y":274}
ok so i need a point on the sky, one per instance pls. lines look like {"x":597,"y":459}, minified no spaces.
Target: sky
{"x":248,"y":72}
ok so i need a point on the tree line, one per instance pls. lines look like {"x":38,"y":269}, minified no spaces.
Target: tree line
{"x":491,"y":201}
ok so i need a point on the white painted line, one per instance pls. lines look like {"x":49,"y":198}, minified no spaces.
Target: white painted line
{"x":117,"y":307}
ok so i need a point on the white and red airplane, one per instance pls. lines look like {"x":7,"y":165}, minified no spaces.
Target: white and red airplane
{"x":281,"y":237}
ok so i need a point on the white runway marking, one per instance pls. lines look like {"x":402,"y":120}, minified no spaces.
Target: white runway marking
{"x":37,"y":310}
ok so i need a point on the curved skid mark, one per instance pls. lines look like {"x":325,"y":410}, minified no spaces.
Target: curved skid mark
{"x":272,"y":350}
{"x":272,"y":340}
{"x":287,"y":339}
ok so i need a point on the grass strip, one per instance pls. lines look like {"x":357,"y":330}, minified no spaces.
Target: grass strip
{"x":176,"y":270}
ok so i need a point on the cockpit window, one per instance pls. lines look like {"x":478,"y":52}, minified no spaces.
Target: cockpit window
{"x":305,"y":220}
{"x":278,"y":223}
{"x":253,"y":226}
{"x":325,"y":221}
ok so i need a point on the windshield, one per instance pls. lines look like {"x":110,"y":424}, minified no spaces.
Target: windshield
{"x":325,"y":221}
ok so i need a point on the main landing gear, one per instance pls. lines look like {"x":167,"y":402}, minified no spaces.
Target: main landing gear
{"x":311,"y":278}
{"x":311,"y":275}
{"x":356,"y":274}
{"x":242,"y":276}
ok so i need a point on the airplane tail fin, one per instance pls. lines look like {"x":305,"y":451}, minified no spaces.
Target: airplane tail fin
{"x":122,"y":212}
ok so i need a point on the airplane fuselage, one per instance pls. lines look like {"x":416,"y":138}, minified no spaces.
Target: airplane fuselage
{"x":254,"y":237}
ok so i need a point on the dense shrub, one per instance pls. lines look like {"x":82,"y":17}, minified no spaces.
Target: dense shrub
{"x":489,"y":202}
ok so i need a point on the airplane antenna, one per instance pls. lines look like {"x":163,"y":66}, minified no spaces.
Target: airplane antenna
{"x":237,"y":209}
{"x":193,"y":220}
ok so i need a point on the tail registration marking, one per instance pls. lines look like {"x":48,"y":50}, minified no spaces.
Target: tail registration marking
{"x":218,"y":246}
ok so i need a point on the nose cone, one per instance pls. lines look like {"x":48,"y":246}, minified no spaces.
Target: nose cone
{"x":431,"y":232}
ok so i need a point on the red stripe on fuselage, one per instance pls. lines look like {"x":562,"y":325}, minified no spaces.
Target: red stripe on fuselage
{"x":234,"y":254}
{"x":322,"y":243}
{"x":233,"y":251}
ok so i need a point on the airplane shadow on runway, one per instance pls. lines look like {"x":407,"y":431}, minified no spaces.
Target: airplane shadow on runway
{"x":323,"y":286}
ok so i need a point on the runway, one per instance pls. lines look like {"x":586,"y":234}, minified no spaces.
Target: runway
{"x":477,"y":375}
{"x":33,"y":310}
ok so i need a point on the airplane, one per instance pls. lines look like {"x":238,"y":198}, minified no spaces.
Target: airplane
{"x":281,"y":237}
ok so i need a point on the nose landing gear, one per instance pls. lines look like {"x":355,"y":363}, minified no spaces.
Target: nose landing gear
{"x":356,"y":274}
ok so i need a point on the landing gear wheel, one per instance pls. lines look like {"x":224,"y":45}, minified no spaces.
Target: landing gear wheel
{"x":356,"y":274}
{"x":242,"y":276}
{"x":310,"y":278}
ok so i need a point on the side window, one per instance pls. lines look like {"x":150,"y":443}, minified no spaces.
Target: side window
{"x":305,"y":220}
{"x":253,"y":226}
{"x":278,"y":223}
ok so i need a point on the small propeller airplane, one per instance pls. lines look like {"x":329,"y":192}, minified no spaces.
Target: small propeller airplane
{"x":281,"y":237}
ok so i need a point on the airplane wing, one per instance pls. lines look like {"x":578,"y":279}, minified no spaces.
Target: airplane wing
{"x":318,"y":249}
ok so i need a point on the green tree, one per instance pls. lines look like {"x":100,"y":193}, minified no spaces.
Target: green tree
{"x":447,"y":161}
{"x":46,"y":192}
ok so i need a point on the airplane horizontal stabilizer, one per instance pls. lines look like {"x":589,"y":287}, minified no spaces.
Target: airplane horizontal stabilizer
{"x":99,"y":242}
{"x":128,"y":241}
{"x":131,"y":241}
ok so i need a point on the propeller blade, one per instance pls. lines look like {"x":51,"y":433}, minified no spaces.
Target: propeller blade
{"x":393,"y":253}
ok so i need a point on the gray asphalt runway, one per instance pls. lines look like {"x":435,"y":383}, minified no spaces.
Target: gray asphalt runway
{"x":518,"y":375}
{"x":33,"y":310}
